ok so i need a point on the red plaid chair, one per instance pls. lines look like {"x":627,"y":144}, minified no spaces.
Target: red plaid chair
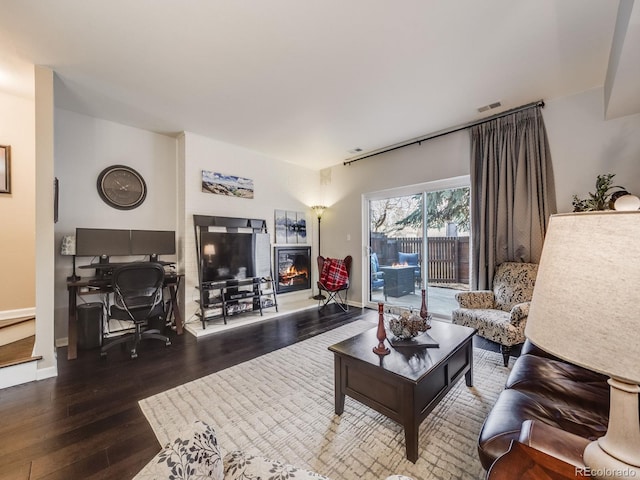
{"x":334,"y":279}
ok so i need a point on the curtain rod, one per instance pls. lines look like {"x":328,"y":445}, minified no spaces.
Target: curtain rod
{"x":440,"y":133}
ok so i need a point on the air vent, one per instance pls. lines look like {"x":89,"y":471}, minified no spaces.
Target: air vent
{"x":491,"y":106}
{"x":355,"y":150}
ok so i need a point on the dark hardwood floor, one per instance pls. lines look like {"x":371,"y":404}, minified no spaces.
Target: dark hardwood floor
{"x":86,"y":423}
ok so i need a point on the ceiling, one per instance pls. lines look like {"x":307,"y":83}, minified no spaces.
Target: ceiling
{"x":309,"y":81}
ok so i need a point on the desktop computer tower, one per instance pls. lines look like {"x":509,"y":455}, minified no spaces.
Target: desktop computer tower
{"x":89,"y":325}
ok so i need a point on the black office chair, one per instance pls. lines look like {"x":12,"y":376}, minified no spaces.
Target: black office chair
{"x":137,"y":291}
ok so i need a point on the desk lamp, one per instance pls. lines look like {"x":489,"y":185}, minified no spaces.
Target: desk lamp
{"x":69,"y":248}
{"x":585,"y":310}
{"x":319,"y":210}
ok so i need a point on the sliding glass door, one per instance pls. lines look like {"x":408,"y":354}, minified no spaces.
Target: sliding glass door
{"x":419,"y":238}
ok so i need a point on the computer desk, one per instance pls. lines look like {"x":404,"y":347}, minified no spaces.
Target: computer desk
{"x":99,"y":285}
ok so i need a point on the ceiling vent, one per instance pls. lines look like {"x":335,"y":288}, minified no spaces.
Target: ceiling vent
{"x":491,"y":106}
{"x":355,"y":150}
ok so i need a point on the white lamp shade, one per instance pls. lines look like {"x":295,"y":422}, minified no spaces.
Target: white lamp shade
{"x":68,"y":246}
{"x":586,"y":301}
{"x":209,"y":249}
{"x":627,"y":202}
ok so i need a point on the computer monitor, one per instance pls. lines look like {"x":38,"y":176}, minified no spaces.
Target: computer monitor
{"x":91,"y":242}
{"x":153,"y":242}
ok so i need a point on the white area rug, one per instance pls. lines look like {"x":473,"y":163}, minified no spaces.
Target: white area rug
{"x":281,"y":405}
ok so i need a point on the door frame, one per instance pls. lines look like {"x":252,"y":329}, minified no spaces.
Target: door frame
{"x":417,"y":189}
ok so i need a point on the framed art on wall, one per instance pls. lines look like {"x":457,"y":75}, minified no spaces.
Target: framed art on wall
{"x":5,"y":169}
{"x":231,"y":185}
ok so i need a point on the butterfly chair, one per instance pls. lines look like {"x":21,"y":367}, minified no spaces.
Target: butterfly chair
{"x":334,"y":279}
{"x":137,"y":291}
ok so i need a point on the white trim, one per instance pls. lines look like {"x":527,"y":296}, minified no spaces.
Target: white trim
{"x":47,"y":373}
{"x":417,"y":189}
{"x":62,"y":342}
{"x":22,"y":312}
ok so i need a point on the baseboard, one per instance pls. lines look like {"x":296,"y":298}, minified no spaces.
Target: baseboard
{"x":18,"y":313}
{"x":18,"y":374}
{"x":62,"y":342}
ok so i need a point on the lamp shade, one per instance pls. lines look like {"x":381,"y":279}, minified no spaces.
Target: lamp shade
{"x":68,"y":246}
{"x":587,"y":294}
{"x":319,"y":210}
{"x":209,"y":249}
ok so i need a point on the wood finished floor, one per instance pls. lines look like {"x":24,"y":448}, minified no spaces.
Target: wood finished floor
{"x":86,"y":422}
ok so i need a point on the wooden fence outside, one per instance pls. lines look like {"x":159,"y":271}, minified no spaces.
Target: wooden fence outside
{"x":448,"y":257}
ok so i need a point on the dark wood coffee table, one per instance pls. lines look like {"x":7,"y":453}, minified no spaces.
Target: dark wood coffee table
{"x":409,"y":382}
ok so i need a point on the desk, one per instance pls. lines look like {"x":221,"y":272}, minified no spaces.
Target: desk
{"x":96,"y":285}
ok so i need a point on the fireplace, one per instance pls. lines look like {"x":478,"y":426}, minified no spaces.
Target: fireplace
{"x":293,"y":265}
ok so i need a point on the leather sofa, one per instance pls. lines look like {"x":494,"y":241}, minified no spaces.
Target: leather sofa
{"x":547,"y":390}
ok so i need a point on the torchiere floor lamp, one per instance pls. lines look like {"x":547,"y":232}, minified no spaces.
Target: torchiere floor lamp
{"x":319,"y":209}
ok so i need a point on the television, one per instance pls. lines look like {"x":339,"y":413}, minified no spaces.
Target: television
{"x":153,"y":242}
{"x":226,"y":256}
{"x":93,"y":242}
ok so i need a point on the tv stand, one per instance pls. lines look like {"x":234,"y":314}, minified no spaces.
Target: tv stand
{"x":225,"y":298}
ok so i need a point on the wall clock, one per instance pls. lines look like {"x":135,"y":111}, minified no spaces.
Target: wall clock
{"x":121,"y":187}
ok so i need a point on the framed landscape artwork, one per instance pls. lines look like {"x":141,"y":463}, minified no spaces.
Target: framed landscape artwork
{"x":5,"y":169}
{"x":230,"y":185}
{"x":291,"y":227}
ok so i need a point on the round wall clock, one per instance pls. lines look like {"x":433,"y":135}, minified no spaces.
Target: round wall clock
{"x":121,"y":187}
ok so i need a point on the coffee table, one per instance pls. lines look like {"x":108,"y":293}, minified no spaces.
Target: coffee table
{"x":409,"y":382}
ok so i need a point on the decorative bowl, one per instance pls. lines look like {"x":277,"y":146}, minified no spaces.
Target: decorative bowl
{"x":408,"y":325}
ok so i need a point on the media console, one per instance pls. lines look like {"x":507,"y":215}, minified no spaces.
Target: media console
{"x":230,"y":297}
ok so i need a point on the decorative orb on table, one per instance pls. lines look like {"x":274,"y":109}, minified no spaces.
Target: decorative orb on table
{"x":408,"y":325}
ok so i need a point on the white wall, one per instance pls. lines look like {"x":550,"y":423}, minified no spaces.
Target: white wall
{"x":582,"y":145}
{"x":84,"y":146}
{"x":277,"y":185}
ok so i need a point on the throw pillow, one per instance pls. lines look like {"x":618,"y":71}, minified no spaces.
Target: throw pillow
{"x":193,"y":455}
{"x":240,"y":466}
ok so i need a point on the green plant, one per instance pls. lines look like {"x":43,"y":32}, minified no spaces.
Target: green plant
{"x":600,"y":200}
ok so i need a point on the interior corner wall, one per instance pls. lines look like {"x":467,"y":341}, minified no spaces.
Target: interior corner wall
{"x":17,"y":209}
{"x":584,"y":145}
{"x":84,"y":146}
{"x":342,"y":223}
{"x":277,"y":186}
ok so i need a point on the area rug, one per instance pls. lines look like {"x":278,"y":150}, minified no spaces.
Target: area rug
{"x":281,"y":405}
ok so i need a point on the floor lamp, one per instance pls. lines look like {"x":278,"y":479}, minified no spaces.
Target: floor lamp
{"x":585,"y":310}
{"x":319,"y":210}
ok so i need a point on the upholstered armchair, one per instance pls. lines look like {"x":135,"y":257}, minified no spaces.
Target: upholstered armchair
{"x":500,"y":315}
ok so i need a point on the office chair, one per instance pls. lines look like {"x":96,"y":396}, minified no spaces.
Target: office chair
{"x":137,"y":291}
{"x":334,"y":279}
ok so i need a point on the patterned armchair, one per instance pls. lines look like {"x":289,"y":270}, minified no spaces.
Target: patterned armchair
{"x":500,"y":315}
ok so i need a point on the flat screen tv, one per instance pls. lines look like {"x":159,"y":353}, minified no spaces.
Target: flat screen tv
{"x":226,"y":256}
{"x":94,"y":242}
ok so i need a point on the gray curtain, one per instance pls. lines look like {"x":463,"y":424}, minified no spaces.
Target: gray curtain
{"x":512,"y":192}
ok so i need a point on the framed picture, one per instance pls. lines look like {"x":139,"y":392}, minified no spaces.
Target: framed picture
{"x":231,"y":185}
{"x":5,"y":169}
